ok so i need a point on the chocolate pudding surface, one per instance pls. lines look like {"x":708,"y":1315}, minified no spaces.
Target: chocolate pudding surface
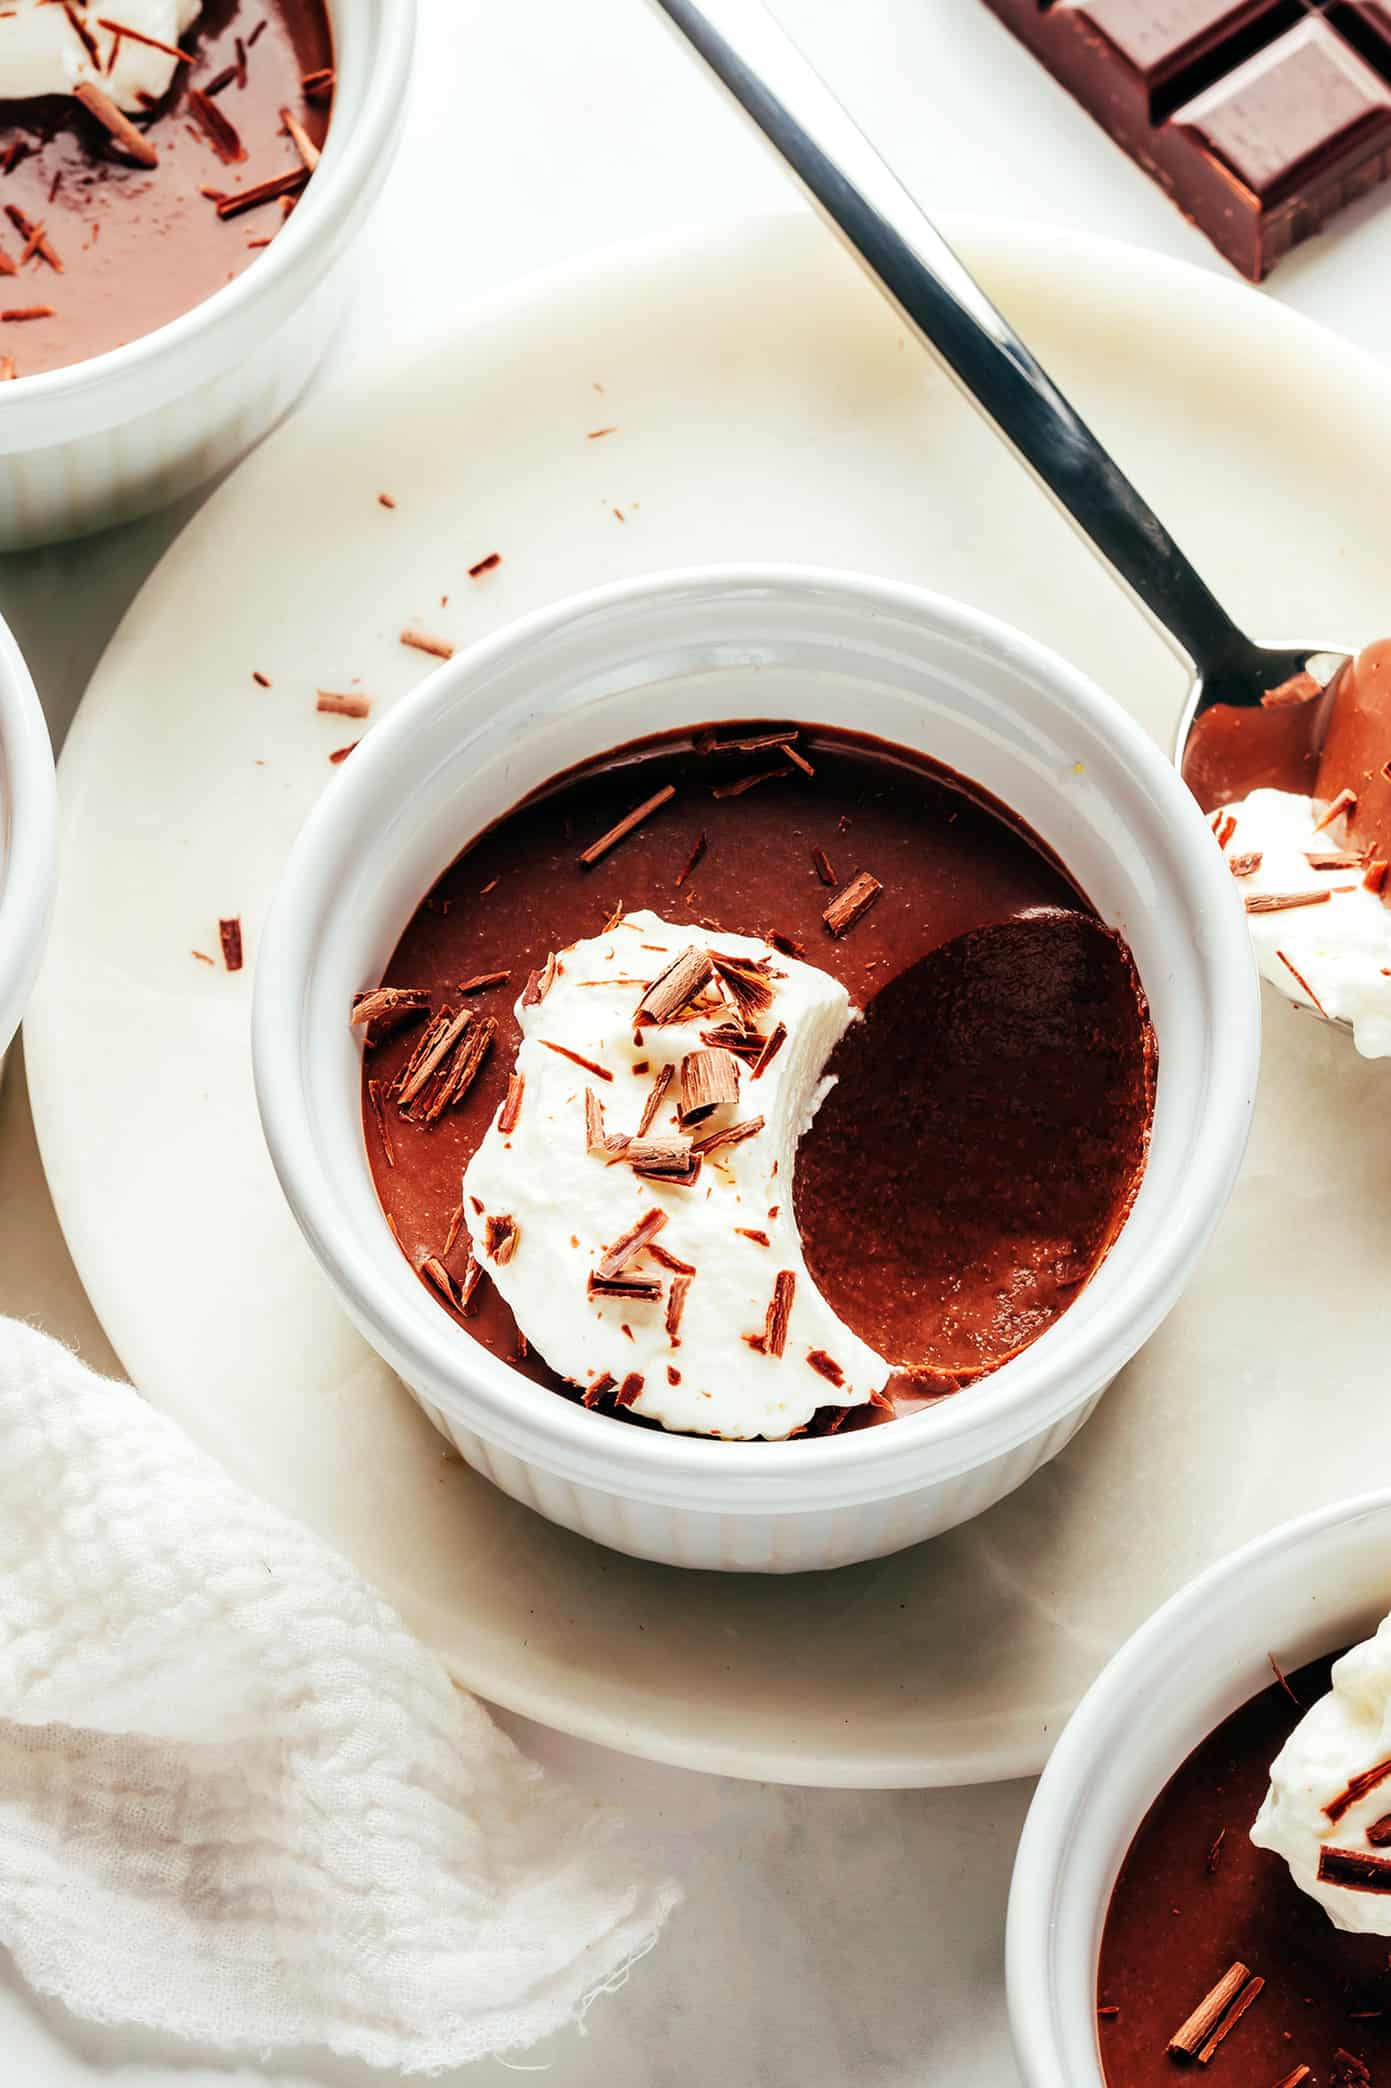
{"x":139,"y":245}
{"x":1195,"y":1896}
{"x":1048,"y":1108}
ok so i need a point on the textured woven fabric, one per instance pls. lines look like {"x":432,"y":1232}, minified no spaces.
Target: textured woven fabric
{"x":238,"y":1801}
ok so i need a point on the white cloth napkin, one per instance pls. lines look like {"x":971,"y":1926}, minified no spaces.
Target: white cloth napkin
{"x":238,"y":1801}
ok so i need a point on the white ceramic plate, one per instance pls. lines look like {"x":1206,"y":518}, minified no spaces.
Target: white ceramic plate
{"x":764,"y":405}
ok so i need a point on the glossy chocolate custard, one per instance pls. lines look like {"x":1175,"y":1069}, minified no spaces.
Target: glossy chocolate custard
{"x":156,"y":168}
{"x":1213,"y":1956}
{"x":970,"y":1166}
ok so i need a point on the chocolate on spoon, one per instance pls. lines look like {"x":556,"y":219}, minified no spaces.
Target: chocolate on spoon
{"x":982,"y":1144}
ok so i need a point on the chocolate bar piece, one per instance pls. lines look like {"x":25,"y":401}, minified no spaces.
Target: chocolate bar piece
{"x":1261,"y":118}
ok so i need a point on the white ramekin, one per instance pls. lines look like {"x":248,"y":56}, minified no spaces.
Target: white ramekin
{"x":110,"y":438}
{"x":756,"y":642}
{"x":28,"y":834}
{"x":1305,"y":1589}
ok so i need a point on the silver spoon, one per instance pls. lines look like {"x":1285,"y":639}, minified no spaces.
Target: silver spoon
{"x":864,"y":201}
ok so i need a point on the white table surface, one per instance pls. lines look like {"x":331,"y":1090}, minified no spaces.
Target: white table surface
{"x":826,"y":1937}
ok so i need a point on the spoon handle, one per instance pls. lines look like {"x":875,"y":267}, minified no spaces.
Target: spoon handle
{"x":864,"y":201}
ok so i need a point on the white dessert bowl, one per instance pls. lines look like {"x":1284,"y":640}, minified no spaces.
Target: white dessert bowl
{"x":110,"y":438}
{"x":704,"y":646}
{"x":1303,"y":1590}
{"x":28,"y":835}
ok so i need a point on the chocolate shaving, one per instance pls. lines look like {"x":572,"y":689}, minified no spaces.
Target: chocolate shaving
{"x":1302,"y":983}
{"x":341,"y":703}
{"x":385,"y":500}
{"x":643,"y":1289}
{"x":663,"y":1160}
{"x":1357,"y":1787}
{"x":629,"y":1245}
{"x":675,"y":988}
{"x":595,"y":433}
{"x":1229,"y":2021}
{"x":299,"y":137}
{"x":455,"y":1226}
{"x":374,"y":1096}
{"x":1379,"y":1833}
{"x":265,"y":192}
{"x":1194,"y":2031}
{"x":743,"y":783}
{"x":852,"y":904}
{"x":34,"y":236}
{"x":82,"y":32}
{"x":1247,"y":864}
{"x":386,"y":1008}
{"x":625,"y":826}
{"x":598,"y":1389}
{"x":115,"y":123}
{"x":745,"y":982}
{"x":538,"y":984}
{"x":1375,"y":877}
{"x":826,"y":1366}
{"x":1300,"y":688}
{"x":221,"y":80}
{"x":590,"y":1065}
{"x":122,"y":30}
{"x":485,"y":565}
{"x":593,"y":1122}
{"x":456,"y":1079}
{"x":671,"y":1261}
{"x":1214,"y":1854}
{"x":422,"y":641}
{"x":472,"y":1277}
{"x":779,"y":1312}
{"x":1356,"y":1869}
{"x":433,"y":1269}
{"x":1283,"y":1680}
{"x":19,"y":312}
{"x":501,"y":1235}
{"x":434,"y":1048}
{"x":731,"y":1134}
{"x":512,"y":1105}
{"x":749,"y":1232}
{"x":628,"y":1391}
{"x":1335,"y":859}
{"x":340,"y":754}
{"x":229,"y":934}
{"x":482,"y":981}
{"x":1349,"y":2071}
{"x":799,"y":760}
{"x":759,"y":743}
{"x":262,"y":681}
{"x":318,"y":85}
{"x":821,"y":863}
{"x":1295,"y":2078}
{"x":222,"y":134}
{"x":770,"y":1050}
{"x":1225,"y":828}
{"x":744,"y":1043}
{"x":676,"y":1306}
{"x":655,"y":1096}
{"x":1344,"y":802}
{"x":1282,"y":902}
{"x":434,"y":1029}
{"x":8,"y":265}
{"x":788,"y":944}
{"x":695,"y":857}
{"x":709,"y":1081}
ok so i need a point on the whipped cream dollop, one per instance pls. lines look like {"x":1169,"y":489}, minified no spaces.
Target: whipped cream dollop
{"x":43,"y":52}
{"x":1330,"y":1788}
{"x":683,"y":1295}
{"x":1333,"y":956}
